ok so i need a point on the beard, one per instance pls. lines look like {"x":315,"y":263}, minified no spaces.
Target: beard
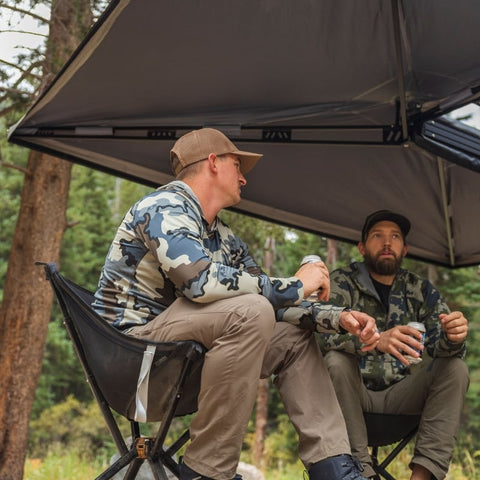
{"x":383,"y":266}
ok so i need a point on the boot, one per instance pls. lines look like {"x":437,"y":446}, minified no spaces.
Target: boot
{"x":340,"y":467}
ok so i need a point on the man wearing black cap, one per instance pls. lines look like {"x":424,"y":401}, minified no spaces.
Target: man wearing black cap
{"x":401,"y":375}
{"x":175,"y":271}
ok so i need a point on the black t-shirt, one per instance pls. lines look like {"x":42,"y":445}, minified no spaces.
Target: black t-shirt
{"x":383,"y":292}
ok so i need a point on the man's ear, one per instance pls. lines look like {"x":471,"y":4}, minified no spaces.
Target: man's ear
{"x":361,"y":248}
{"x":212,"y":162}
{"x":405,"y":249}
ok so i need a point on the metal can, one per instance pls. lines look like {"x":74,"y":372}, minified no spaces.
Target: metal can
{"x":310,"y":259}
{"x":421,"y":328}
{"x":313,"y":297}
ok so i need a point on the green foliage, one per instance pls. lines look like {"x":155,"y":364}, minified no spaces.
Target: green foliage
{"x":61,"y":464}
{"x":86,"y":242}
{"x":11,"y":181}
{"x":295,"y":246}
{"x":280,"y":447}
{"x":97,"y":204}
{"x":62,"y":374}
{"x":71,"y":425}
{"x":127,"y":194}
{"x":94,"y":206}
{"x":253,"y":232}
{"x":290,"y":245}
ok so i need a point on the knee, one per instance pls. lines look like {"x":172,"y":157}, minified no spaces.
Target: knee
{"x":452,"y":370}
{"x":341,"y":366}
{"x":255,"y":313}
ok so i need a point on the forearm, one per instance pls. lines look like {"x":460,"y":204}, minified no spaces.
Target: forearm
{"x":315,"y":316}
{"x":443,"y":347}
{"x":217,"y":281}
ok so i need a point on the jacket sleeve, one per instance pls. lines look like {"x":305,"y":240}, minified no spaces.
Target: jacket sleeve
{"x":173,"y":234}
{"x":341,"y":294}
{"x":316,"y":317}
{"x":436,"y":342}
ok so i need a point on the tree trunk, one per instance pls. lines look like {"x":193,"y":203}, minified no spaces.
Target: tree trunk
{"x":332,"y":253}
{"x":27,"y":300}
{"x":27,"y":297}
{"x":261,"y":416}
{"x":432,"y":274}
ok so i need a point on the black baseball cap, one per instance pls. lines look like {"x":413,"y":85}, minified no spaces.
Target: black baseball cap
{"x":385,"y":215}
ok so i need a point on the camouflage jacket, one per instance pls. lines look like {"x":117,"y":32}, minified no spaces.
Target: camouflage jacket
{"x":165,"y":249}
{"x":313,"y":316}
{"x":412,"y":299}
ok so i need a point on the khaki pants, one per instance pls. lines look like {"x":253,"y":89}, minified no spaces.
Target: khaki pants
{"x":245,"y":343}
{"x":436,"y":389}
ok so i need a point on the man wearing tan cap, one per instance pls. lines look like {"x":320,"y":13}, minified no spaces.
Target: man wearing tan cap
{"x":175,"y":271}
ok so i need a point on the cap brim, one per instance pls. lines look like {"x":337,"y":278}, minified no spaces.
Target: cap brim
{"x":247,"y":160}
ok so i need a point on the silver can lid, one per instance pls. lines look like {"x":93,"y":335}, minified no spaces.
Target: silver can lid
{"x":310,"y":259}
{"x":417,"y":325}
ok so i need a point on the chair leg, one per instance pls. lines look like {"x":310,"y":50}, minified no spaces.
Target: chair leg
{"x":382,"y":473}
{"x":133,"y":469}
{"x":122,"y":462}
{"x":135,"y":429}
{"x":158,"y":470}
{"x":380,"y":467}
{"x":166,"y":456}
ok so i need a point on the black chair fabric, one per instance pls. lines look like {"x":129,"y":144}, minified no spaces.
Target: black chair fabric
{"x":384,"y":430}
{"x":112,"y":361}
{"x":115,"y":359}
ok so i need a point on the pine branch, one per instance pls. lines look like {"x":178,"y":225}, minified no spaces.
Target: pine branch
{"x":72,"y":223}
{"x":15,"y":91}
{"x":9,"y":64}
{"x":25,"y":32}
{"x":15,"y":167}
{"x":6,"y":110}
{"x":23,"y":12}
{"x":26,"y":72}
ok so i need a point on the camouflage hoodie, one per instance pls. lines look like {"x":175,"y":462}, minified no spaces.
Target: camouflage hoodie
{"x":165,"y":249}
{"x":412,"y":298}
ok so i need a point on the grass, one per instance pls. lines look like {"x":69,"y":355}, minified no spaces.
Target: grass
{"x":71,"y":465}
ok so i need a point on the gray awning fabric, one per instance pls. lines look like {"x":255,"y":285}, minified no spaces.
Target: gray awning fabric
{"x":344,"y":99}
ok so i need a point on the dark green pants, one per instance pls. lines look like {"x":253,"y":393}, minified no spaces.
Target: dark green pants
{"x":436,"y":389}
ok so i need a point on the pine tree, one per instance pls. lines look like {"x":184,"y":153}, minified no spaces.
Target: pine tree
{"x":27,"y":298}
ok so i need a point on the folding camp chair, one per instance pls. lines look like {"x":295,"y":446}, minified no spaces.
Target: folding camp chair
{"x":143,"y":381}
{"x":384,"y":430}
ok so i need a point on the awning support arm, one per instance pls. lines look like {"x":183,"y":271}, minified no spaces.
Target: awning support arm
{"x":400,"y":67}
{"x":446,"y":215}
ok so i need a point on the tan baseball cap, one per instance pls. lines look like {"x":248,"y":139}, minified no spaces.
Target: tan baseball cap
{"x":197,"y":145}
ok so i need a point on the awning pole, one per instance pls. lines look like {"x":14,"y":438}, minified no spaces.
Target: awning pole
{"x":400,"y":67}
{"x":446,"y":215}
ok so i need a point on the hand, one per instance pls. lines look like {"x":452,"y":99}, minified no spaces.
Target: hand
{"x":315,"y":276}
{"x":455,"y":325}
{"x":362,"y":326}
{"x":400,"y":341}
